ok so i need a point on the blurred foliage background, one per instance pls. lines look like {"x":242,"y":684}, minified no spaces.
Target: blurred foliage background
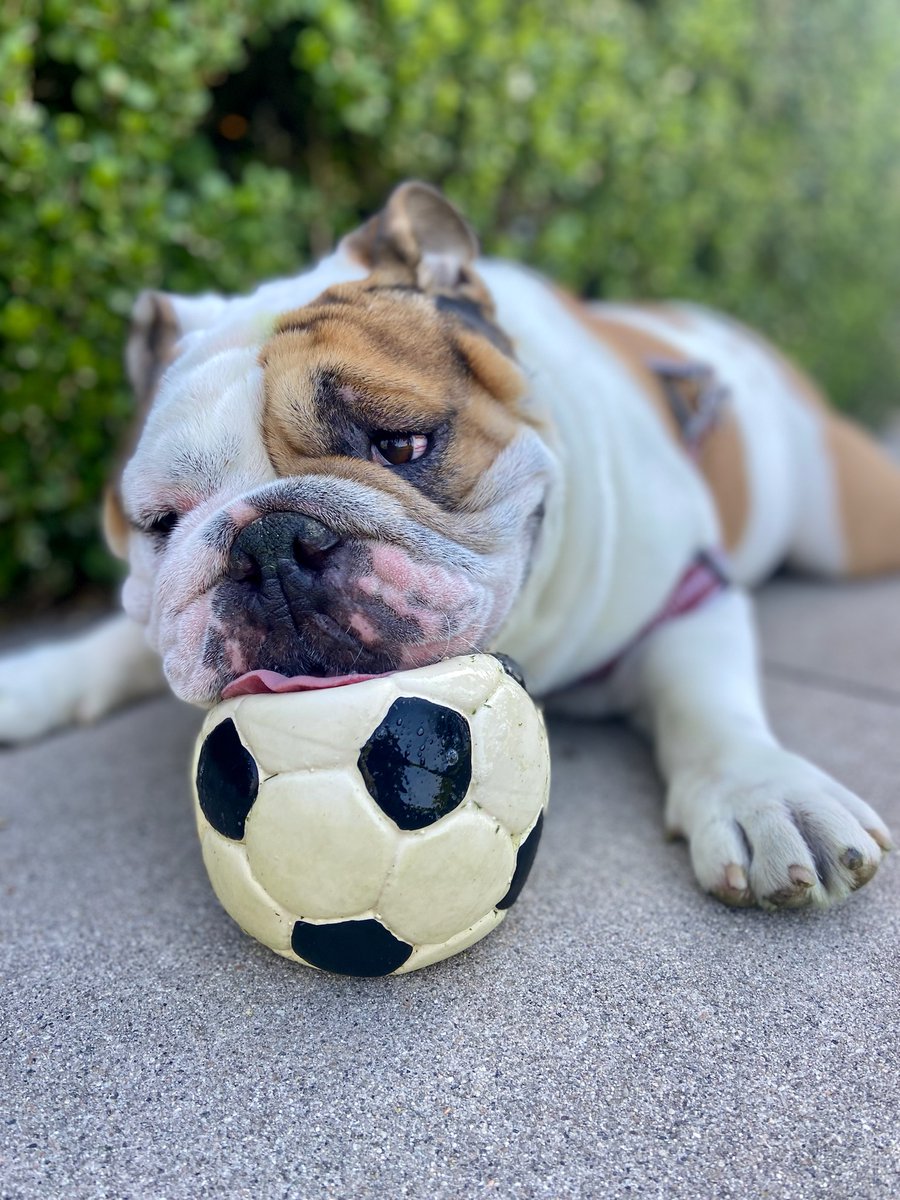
{"x":742,"y":152}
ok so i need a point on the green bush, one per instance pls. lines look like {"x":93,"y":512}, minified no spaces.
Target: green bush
{"x":747,"y":154}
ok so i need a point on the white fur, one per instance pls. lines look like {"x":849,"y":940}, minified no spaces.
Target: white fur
{"x":631,"y":512}
{"x":77,"y":680}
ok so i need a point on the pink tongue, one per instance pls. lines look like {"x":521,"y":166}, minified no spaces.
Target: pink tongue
{"x":257,"y":683}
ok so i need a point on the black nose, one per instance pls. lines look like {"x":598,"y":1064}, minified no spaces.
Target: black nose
{"x":280,"y":542}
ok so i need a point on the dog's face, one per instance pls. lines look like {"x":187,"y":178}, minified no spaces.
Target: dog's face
{"x":356,"y":490}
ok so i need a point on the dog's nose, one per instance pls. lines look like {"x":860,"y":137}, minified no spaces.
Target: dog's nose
{"x":277,"y":542}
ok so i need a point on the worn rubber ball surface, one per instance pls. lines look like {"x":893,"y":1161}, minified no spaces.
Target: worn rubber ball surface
{"x":375,"y":828}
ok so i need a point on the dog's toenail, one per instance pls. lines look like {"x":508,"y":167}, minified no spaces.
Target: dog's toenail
{"x":863,"y":874}
{"x":881,"y":839}
{"x":735,"y":878}
{"x":852,"y":859}
{"x":801,"y":875}
{"x":787,"y":897}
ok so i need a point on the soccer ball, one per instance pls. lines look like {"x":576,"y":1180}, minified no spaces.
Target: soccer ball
{"x":378,"y":827}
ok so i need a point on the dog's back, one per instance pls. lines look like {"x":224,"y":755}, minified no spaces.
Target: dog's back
{"x":791,"y":478}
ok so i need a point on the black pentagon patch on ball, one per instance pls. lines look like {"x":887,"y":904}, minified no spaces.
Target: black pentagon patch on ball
{"x":417,"y":764}
{"x":512,"y":668}
{"x":227,"y":781}
{"x":350,"y":947}
{"x":524,"y":863}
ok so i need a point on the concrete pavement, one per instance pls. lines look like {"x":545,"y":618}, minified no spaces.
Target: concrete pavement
{"x":620,"y":1035}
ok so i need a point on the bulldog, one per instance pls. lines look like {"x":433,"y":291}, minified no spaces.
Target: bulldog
{"x":408,"y":453}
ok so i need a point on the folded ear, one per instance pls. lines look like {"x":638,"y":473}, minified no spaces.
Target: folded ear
{"x":114,"y":522}
{"x":419,"y":237}
{"x":159,"y":321}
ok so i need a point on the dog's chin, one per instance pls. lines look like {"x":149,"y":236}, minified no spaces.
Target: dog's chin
{"x":323,"y":651}
{"x":325,"y":656}
{"x":286,"y":663}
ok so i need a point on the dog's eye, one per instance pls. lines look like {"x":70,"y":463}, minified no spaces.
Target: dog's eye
{"x":162,"y":525}
{"x":395,"y":449}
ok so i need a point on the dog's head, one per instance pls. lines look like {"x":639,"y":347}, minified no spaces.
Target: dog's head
{"x":338,"y":475}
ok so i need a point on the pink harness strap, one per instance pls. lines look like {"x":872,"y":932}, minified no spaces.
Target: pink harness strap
{"x":705,"y":577}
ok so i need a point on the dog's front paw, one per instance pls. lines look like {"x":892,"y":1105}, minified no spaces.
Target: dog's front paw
{"x":40,"y":690}
{"x":75,"y":681}
{"x":766,"y":827}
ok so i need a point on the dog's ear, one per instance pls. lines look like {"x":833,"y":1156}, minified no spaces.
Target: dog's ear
{"x":114,"y":521}
{"x":159,"y":321}
{"x":419,"y":237}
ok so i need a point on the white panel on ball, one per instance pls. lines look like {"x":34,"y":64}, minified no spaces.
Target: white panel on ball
{"x":462,"y":683}
{"x":510,"y":758}
{"x":240,"y":894}
{"x":316,"y":842}
{"x":447,"y":877}
{"x":327,"y":723}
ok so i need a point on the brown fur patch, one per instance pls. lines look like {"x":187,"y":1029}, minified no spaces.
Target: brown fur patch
{"x":868,"y":486}
{"x":721,"y":458}
{"x":723,"y":464}
{"x":394,"y":363}
{"x":866,"y":478}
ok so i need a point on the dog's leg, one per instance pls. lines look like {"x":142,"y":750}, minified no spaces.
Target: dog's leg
{"x":78,"y":680}
{"x":764,"y":826}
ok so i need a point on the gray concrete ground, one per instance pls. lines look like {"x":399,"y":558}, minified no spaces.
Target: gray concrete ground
{"x":620,"y":1035}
